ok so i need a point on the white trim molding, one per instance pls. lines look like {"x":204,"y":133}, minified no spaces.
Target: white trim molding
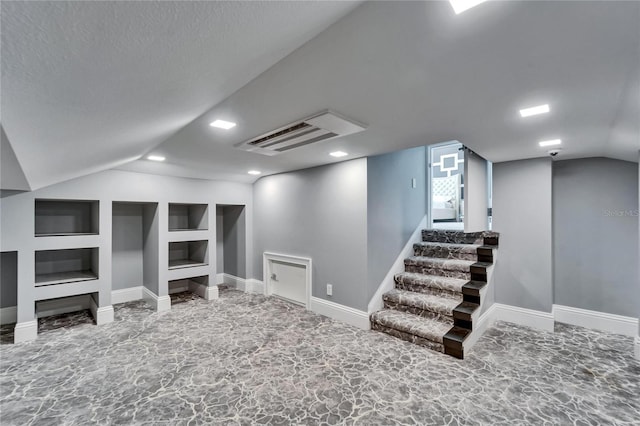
{"x":523,"y":316}
{"x":306,"y":262}
{"x":596,"y":320}
{"x":159,"y":303}
{"x":8,"y":315}
{"x":102,"y":314}
{"x":250,"y":285}
{"x":339,"y":312}
{"x":220,"y":278}
{"x":388,"y":283}
{"x":126,"y":295}
{"x":637,"y":347}
{"x":25,"y":331}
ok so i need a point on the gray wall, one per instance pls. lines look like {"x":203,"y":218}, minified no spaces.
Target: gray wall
{"x":126,"y":246}
{"x":476,"y":197}
{"x":595,"y":241}
{"x":8,"y":278}
{"x":319,"y":213}
{"x":234,"y":240}
{"x":219,"y":240}
{"x":522,"y":215}
{"x":11,"y":175}
{"x":394,"y":208}
{"x":151,"y":247}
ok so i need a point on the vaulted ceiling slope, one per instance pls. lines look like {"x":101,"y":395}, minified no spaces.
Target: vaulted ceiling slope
{"x":95,"y":85}
{"x":87,"y":86}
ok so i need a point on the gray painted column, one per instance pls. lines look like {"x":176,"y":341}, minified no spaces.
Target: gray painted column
{"x":637,"y":340}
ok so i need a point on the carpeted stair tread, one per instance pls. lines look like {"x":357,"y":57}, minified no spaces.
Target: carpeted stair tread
{"x":427,"y":302}
{"x":446,"y":250}
{"x":438,"y":282}
{"x":425,"y":328}
{"x":443,"y":264}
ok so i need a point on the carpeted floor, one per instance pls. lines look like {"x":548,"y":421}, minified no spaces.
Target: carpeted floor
{"x":246,"y":359}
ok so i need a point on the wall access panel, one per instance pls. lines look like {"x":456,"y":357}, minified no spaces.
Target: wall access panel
{"x":65,"y":266}
{"x":186,"y":254}
{"x":188,"y":217}
{"x":66,"y":217}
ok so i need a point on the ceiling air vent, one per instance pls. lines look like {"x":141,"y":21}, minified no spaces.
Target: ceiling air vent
{"x":319,"y":127}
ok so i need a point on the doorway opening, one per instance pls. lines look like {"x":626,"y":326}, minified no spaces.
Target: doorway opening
{"x":231,"y":245}
{"x":446,"y":188}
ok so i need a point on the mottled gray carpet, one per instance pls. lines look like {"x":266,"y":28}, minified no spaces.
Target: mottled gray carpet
{"x":246,"y":359}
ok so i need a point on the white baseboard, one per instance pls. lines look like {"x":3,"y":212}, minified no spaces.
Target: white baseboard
{"x":8,"y":315}
{"x":522,"y":316}
{"x":596,"y":320}
{"x":159,"y":303}
{"x":25,"y":331}
{"x":388,"y":283}
{"x":485,"y":321}
{"x":250,"y":285}
{"x":254,"y":286}
{"x":102,"y":314}
{"x":637,"y":347}
{"x":220,"y":278}
{"x":126,"y":295}
{"x":339,"y":312}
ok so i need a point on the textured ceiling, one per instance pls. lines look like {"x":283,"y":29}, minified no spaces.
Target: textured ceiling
{"x":88,"y":86}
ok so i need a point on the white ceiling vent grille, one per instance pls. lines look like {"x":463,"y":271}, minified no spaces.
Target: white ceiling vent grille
{"x":319,"y":127}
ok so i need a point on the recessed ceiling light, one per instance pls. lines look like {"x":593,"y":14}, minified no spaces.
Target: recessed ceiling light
{"x":338,"y":154}
{"x":156,"y":158}
{"x":540,"y":109}
{"x":254,"y":172}
{"x":550,"y":142}
{"x":221,"y":124}
{"x":460,"y":6}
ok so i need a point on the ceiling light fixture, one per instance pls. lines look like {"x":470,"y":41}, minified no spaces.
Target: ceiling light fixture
{"x":460,"y":6}
{"x":540,"y":109}
{"x":338,"y":154}
{"x":551,"y":142}
{"x":222,"y":124}
{"x":254,"y":172}
{"x":156,"y":158}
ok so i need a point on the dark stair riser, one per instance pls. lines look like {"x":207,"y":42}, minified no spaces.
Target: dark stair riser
{"x":435,"y":270}
{"x":425,"y":313}
{"x":408,"y":337}
{"x":453,"y":342}
{"x":444,"y":252}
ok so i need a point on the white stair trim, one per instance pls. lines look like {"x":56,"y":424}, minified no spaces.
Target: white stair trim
{"x":376,"y":303}
{"x":485,"y":321}
{"x":250,"y":285}
{"x":611,"y":323}
{"x":339,"y":312}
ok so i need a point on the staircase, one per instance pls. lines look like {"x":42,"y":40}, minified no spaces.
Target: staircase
{"x":438,"y":295}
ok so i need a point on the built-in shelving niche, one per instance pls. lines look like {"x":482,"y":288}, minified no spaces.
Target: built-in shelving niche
{"x":193,"y":285}
{"x":134,"y":245}
{"x":66,"y":217}
{"x":66,"y":266}
{"x":188,"y":217}
{"x":186,"y":254}
{"x":9,"y":278}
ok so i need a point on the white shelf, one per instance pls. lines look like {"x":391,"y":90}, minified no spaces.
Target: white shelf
{"x":184,"y":263}
{"x":187,"y":229}
{"x":64,"y":277}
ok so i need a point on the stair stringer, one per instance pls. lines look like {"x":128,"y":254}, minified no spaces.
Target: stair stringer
{"x":483,"y":317}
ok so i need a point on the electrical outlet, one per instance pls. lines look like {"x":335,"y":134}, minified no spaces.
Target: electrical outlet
{"x":329,"y":290}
